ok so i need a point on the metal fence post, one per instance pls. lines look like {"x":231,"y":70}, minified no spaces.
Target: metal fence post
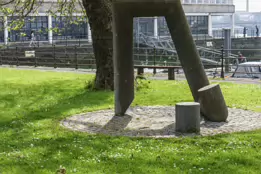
{"x":76,"y":59}
{"x":154,"y":69}
{"x":227,"y":46}
{"x":35,"y":61}
{"x":38,"y":41}
{"x":9,"y":58}
{"x":54,"y":58}
{"x":17,"y":60}
{"x":222,"y":63}
{"x":1,"y":58}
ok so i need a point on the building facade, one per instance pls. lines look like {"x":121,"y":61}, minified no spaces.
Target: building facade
{"x":48,"y":28}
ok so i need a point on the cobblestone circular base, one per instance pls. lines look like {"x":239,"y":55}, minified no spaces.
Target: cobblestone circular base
{"x":156,"y":122}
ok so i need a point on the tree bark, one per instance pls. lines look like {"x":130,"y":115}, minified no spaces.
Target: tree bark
{"x":99,"y":13}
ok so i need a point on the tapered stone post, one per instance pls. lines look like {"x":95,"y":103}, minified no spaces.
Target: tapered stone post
{"x":123,"y":61}
{"x":212,"y":103}
{"x":186,"y":49}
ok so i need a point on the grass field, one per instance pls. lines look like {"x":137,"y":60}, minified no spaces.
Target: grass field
{"x":31,"y":140}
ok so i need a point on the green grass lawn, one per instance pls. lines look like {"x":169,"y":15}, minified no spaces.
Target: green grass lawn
{"x":31,"y":140}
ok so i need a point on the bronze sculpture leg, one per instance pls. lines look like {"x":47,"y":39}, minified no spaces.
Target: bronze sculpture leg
{"x":123,"y":13}
{"x":123,"y":61}
{"x":186,"y":49}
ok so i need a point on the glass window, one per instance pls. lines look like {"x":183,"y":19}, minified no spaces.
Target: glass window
{"x":198,"y":24}
{"x":38,"y":24}
{"x":1,"y":30}
{"x":69,"y":27}
{"x":218,"y":1}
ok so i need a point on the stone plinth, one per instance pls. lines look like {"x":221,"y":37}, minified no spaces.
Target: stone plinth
{"x":188,"y":117}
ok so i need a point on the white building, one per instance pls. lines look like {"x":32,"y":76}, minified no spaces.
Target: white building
{"x":199,"y":14}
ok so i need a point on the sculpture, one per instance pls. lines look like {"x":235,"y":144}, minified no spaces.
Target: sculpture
{"x":123,"y":13}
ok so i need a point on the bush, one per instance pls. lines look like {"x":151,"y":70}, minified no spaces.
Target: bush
{"x":141,"y":83}
{"x":90,"y":84}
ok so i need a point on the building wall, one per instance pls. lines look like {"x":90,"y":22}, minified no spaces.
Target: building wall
{"x":70,"y":30}
{"x":63,"y":28}
{"x":198,"y":25}
{"x":209,"y":8}
{"x":242,"y":19}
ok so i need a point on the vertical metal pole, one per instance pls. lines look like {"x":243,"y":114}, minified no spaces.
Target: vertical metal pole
{"x":227,"y":48}
{"x":54,"y":58}
{"x":16,"y":54}
{"x":154,"y":69}
{"x":9,"y":58}
{"x":138,"y":33}
{"x":1,"y":59}
{"x":222,"y":63}
{"x":146,"y":54}
{"x":38,"y":40}
{"x":34,"y":50}
{"x":76,"y":58}
{"x":35,"y":61}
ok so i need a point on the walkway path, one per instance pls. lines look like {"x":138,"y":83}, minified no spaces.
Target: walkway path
{"x":158,"y":76}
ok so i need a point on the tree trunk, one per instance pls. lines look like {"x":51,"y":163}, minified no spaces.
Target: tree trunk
{"x":99,"y":13}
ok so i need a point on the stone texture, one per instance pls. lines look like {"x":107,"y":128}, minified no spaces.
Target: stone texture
{"x":157,"y":121}
{"x":212,"y":103}
{"x":188,"y":117}
{"x":123,"y":13}
{"x":122,"y":59}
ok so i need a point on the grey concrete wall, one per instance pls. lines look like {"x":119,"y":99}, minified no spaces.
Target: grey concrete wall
{"x":188,"y":8}
{"x":208,"y":8}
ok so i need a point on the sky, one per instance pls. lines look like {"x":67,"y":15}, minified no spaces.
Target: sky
{"x":254,"y":5}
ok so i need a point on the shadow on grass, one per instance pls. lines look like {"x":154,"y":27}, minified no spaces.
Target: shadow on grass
{"x":49,"y":101}
{"x":35,"y":149}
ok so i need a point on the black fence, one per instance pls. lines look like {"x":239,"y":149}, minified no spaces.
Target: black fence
{"x":40,"y":41}
{"x":54,"y":56}
{"x":250,"y":33}
{"x":217,"y":62}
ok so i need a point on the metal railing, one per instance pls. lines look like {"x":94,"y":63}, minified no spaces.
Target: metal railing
{"x":40,"y":40}
{"x":251,"y":33}
{"x":83,"y":58}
